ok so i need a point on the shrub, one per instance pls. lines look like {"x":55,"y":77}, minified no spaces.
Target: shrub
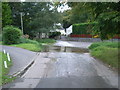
{"x":0,"y":37}
{"x":46,"y":40}
{"x":11,"y":35}
{"x":94,"y":45}
{"x":54,"y":34}
{"x":83,"y":28}
{"x":24,"y":40}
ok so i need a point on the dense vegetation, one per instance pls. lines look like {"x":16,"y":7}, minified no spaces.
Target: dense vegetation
{"x":37,"y":17}
{"x":4,"y":78}
{"x":11,"y":35}
{"x":108,"y":52}
{"x":83,"y":28}
{"x":107,"y":14}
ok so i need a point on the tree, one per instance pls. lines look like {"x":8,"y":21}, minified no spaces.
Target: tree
{"x":6,"y":14}
{"x":16,"y":9}
{"x":37,"y":17}
{"x":107,"y":14}
{"x":66,"y":19}
{"x":44,"y":18}
{"x":108,"y":17}
{"x":0,"y":19}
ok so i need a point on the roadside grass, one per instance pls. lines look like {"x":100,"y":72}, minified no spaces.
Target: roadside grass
{"x":4,"y":78}
{"x":33,"y":45}
{"x":46,"y":41}
{"x":106,"y":44}
{"x":108,"y":52}
{"x":0,"y":42}
{"x":29,"y":46}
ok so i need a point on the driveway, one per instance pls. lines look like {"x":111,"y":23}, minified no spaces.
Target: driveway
{"x":20,"y":57}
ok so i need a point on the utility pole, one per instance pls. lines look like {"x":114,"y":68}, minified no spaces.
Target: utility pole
{"x":21,"y":23}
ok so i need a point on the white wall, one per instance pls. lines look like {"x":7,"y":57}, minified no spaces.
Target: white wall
{"x":69,"y":30}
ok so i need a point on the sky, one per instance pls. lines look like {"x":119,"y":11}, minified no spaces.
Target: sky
{"x":61,"y":8}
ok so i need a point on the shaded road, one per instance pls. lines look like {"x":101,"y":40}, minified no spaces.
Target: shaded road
{"x":20,"y":57}
{"x":63,"y":67}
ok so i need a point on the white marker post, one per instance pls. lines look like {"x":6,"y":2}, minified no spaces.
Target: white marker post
{"x":5,"y":64}
{"x":8,"y":56}
{"x":4,"y":51}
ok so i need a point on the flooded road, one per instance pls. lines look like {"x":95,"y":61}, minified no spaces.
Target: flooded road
{"x":72,"y":67}
{"x":67,"y":65}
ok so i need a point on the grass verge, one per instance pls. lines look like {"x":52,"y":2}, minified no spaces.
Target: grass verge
{"x":33,"y":45}
{"x":29,"y":46}
{"x":0,"y":42}
{"x":108,"y":52}
{"x":4,"y":78}
{"x":46,"y":41}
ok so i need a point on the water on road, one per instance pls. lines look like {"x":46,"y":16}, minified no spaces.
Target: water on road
{"x":67,"y":65}
{"x":73,"y":67}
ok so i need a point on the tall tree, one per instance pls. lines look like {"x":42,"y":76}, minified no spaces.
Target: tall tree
{"x":37,"y":16}
{"x":108,"y":17}
{"x":0,"y":18}
{"x":66,"y":19}
{"x":6,"y":14}
{"x":44,"y":19}
{"x":107,"y":14}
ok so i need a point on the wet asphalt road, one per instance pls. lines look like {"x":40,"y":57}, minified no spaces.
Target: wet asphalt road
{"x":20,"y":57}
{"x":76,"y":70}
{"x":65,"y":66}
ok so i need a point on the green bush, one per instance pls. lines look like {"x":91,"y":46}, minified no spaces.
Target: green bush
{"x":24,"y":40}
{"x":106,"y":44}
{"x":83,"y":28}
{"x":94,"y":46}
{"x":46,"y":40}
{"x":54,"y":34}
{"x":11,"y":35}
{"x":0,"y":37}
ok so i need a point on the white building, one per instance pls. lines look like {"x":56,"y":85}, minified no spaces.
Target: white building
{"x":69,"y":30}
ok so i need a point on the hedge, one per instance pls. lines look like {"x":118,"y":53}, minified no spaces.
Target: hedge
{"x":11,"y":35}
{"x":83,"y":28}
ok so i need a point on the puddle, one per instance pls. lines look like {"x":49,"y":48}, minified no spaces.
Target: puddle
{"x":48,"y":48}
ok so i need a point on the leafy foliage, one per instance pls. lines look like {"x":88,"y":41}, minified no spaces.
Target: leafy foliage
{"x":83,"y":28}
{"x":11,"y":35}
{"x":66,"y":19}
{"x":108,"y":17}
{"x":6,"y":14}
{"x":46,"y":41}
{"x":37,"y":17}
{"x":107,"y":14}
{"x":24,"y":40}
{"x":54,"y":34}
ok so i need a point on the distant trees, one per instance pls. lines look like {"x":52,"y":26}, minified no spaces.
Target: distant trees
{"x":38,"y":17}
{"x":44,"y":18}
{"x":107,"y":14}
